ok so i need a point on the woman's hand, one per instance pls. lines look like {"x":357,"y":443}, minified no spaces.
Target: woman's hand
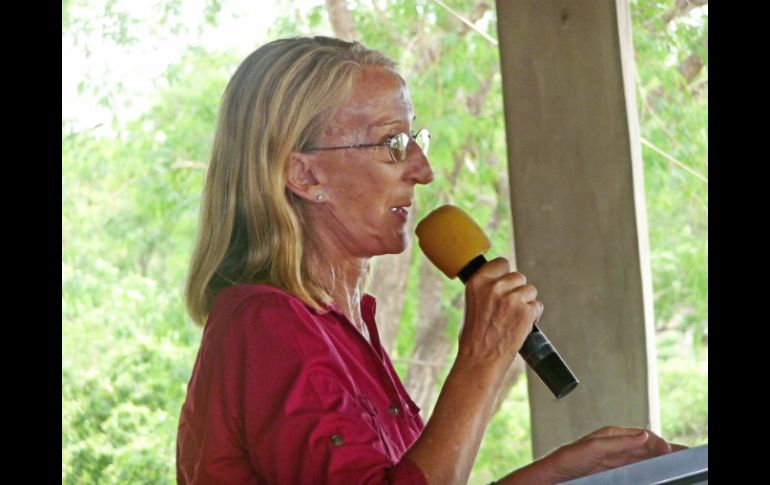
{"x":605,"y":448}
{"x":500,"y":310}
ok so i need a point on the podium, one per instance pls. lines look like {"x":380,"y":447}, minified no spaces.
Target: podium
{"x":685,"y":467}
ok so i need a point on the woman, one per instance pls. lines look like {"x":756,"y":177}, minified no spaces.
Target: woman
{"x":313,"y":172}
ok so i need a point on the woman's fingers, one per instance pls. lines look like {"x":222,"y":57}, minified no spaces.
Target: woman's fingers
{"x":497,"y":281}
{"x":619,"y":446}
{"x":493,"y":269}
{"x":537,"y":310}
{"x":606,"y":448}
{"x":611,"y":441}
{"x":609,"y":431}
{"x":501,"y":308}
{"x":657,"y":445}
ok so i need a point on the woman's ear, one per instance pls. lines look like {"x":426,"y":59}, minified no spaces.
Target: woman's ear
{"x":300,"y":177}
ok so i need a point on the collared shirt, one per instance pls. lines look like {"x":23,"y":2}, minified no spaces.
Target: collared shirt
{"x":282,"y":393}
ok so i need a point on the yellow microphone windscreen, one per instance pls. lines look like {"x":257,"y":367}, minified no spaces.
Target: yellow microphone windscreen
{"x":451,"y":239}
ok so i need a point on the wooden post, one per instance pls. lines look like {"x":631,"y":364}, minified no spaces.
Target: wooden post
{"x":577,"y":200}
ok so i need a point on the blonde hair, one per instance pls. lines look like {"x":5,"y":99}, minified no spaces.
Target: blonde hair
{"x":251,"y":227}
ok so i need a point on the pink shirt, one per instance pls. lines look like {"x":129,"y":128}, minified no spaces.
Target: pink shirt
{"x":284,"y":394}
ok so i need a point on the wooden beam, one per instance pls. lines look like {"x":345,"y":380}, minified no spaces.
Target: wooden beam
{"x":577,"y":200}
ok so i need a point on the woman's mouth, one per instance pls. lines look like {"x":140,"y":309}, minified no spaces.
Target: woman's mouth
{"x":400,"y":212}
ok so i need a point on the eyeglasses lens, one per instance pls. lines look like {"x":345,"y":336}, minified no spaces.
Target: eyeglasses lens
{"x":423,"y":140}
{"x":400,"y":144}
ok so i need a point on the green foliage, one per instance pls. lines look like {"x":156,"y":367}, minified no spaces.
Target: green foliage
{"x":121,"y":420}
{"x":683,"y":387}
{"x":674,"y":118}
{"x":129,"y":213}
{"x":683,"y":401}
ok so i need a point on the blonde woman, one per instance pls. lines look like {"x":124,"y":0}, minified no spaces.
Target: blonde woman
{"x":313,"y":172}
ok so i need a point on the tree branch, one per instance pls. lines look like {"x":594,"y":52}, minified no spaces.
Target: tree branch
{"x":479,"y":10}
{"x":690,"y":67}
{"x":673,"y":160}
{"x":189,"y":164}
{"x":681,"y":7}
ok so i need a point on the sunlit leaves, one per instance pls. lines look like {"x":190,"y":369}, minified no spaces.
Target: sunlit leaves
{"x":674,"y":119}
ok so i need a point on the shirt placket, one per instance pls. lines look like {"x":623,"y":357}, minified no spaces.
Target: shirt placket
{"x":375,"y":360}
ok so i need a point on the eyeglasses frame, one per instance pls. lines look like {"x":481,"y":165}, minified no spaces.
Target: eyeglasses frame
{"x":388,"y":143}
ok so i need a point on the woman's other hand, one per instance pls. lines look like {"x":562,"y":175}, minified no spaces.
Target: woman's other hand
{"x":604,"y":449}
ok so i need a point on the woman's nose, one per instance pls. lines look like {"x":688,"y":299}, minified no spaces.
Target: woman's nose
{"x":420,"y":170}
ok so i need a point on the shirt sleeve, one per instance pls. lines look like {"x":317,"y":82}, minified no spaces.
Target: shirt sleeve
{"x":283,"y":408}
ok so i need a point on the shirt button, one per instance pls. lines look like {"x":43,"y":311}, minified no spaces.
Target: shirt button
{"x":394,"y":410}
{"x":337,"y":440}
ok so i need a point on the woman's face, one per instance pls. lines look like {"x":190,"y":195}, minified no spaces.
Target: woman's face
{"x":367,"y":197}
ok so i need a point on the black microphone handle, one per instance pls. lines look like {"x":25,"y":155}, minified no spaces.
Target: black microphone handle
{"x":537,"y":350}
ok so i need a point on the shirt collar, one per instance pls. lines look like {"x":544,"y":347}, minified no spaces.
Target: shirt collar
{"x":368,"y":308}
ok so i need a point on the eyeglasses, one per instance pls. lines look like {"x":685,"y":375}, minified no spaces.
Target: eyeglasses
{"x":397,"y":144}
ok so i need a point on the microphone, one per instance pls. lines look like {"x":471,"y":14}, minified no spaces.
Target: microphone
{"x":453,"y":242}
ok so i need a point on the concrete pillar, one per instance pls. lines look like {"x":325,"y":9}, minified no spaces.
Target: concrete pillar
{"x":579,"y":216}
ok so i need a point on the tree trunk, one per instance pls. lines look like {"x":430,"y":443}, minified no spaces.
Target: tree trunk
{"x":341,"y":20}
{"x":431,"y":347}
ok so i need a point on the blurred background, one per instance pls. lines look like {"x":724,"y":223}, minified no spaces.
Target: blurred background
{"x":141,"y":85}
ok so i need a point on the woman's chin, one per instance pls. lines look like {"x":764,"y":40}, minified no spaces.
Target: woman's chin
{"x":397,"y":246}
{"x":401,"y":246}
